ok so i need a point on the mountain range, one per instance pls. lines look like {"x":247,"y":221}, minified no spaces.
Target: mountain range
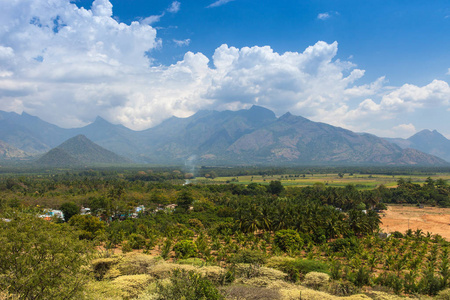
{"x":253,"y":136}
{"x":431,"y":142}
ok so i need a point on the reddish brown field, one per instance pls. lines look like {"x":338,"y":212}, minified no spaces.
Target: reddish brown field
{"x":430,"y":219}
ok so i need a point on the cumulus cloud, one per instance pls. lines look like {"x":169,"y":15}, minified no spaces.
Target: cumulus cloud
{"x":219,"y":3}
{"x":410,"y":97}
{"x":68,"y":64}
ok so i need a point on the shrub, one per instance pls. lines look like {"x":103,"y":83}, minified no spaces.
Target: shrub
{"x":185,"y":249}
{"x":342,"y":288}
{"x":136,"y":241}
{"x":316,"y":280}
{"x":136,"y":263}
{"x":101,"y":266}
{"x":297,"y":268}
{"x":443,"y":295}
{"x":340,"y":245}
{"x":247,"y":256}
{"x":188,"y":286}
{"x":89,"y":225}
{"x":251,"y":293}
{"x":196,"y":224}
{"x":288,"y":240}
{"x":397,"y":234}
{"x":163,"y":270}
{"x":131,"y":285}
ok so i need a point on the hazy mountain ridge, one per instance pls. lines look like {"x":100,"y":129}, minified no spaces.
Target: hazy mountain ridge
{"x":431,"y":142}
{"x":253,"y":136}
{"x":8,"y":152}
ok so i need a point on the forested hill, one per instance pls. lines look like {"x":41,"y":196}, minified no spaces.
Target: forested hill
{"x":79,"y":150}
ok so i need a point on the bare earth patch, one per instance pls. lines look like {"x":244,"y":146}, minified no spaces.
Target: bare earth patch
{"x":430,"y":219}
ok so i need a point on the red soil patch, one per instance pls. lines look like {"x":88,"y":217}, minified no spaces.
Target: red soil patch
{"x":430,"y":219}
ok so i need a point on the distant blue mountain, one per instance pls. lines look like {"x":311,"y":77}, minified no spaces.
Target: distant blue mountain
{"x":244,"y":137}
{"x":431,"y":142}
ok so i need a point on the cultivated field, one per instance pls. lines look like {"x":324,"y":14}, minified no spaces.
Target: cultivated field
{"x":361,"y":181}
{"x":429,"y":219}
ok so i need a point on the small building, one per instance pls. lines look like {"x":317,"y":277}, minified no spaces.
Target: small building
{"x":52,"y":213}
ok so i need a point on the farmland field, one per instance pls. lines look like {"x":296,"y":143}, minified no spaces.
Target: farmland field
{"x":435,"y":220}
{"x":361,"y":181}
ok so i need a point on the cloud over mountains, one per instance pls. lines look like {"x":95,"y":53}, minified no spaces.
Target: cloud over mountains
{"x":68,"y":64}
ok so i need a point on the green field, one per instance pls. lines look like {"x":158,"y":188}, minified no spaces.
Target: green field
{"x":361,"y":181}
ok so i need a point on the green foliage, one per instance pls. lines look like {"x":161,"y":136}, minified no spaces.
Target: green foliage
{"x":443,"y":295}
{"x":40,"y":259}
{"x":298,"y":268}
{"x":339,"y":245}
{"x":69,"y":210}
{"x":101,"y":266}
{"x":185,"y":249}
{"x":316,"y":280}
{"x":89,"y":226}
{"x":188,"y":286}
{"x":247,"y":256}
{"x":275,"y":188}
{"x":288,"y":240}
{"x":136,"y":241}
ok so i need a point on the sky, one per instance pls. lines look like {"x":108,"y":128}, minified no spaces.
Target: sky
{"x":374,"y":66}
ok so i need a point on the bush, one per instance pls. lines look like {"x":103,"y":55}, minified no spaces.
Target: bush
{"x":90,"y":226}
{"x":297,"y":268}
{"x":136,"y":263}
{"x":397,"y":234}
{"x":443,"y":295}
{"x":251,"y":293}
{"x":340,"y":245}
{"x":136,"y":241}
{"x":185,"y":249}
{"x":131,"y":285}
{"x":101,"y":266}
{"x":342,"y":288}
{"x":25,"y":241}
{"x":247,"y":256}
{"x":316,"y":280}
{"x":288,"y":240}
{"x":188,"y":286}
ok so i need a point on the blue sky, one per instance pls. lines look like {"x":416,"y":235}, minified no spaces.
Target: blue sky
{"x":376,"y":66}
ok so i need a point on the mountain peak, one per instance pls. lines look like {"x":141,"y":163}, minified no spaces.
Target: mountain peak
{"x":290,"y":118}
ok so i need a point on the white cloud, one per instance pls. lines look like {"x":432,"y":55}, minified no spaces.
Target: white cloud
{"x":448,"y":71}
{"x":219,"y":3}
{"x":93,"y":65}
{"x":323,"y":16}
{"x":182,"y":43}
{"x":410,"y":97}
{"x":174,"y":7}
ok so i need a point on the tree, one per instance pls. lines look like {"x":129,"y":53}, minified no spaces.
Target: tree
{"x":275,"y":187}
{"x":69,"y":210}
{"x":40,"y":259}
{"x":185,"y":199}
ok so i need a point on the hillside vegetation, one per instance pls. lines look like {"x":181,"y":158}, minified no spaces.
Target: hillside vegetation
{"x":212,"y":241}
